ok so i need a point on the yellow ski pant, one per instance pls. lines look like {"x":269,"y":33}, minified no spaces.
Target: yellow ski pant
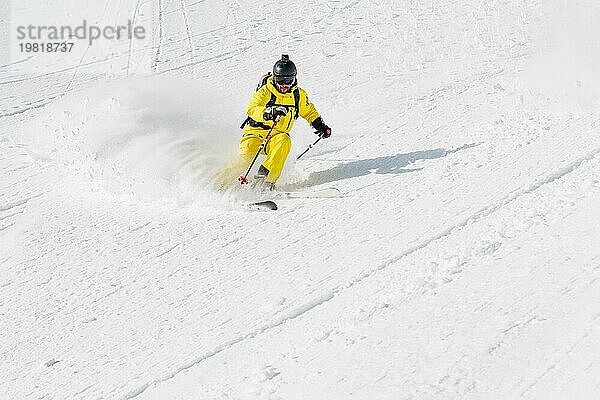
{"x":277,"y":149}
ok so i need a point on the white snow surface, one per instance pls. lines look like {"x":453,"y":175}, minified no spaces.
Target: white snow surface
{"x":462,"y":260}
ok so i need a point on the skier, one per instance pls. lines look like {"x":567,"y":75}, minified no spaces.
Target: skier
{"x":275,"y":106}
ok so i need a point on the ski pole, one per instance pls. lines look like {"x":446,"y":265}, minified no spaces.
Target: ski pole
{"x":244,"y":179}
{"x":309,"y":147}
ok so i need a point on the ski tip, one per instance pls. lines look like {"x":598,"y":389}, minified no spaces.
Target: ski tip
{"x":263,"y":206}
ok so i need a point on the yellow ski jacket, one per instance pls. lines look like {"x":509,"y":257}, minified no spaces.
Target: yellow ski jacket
{"x":268,"y":95}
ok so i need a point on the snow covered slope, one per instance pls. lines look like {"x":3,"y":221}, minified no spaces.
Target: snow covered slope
{"x":461,"y":262}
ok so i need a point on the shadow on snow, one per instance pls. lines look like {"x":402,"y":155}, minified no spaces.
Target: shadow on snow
{"x":381,"y":165}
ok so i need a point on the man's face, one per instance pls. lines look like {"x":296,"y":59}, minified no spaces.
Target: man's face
{"x":284,"y":83}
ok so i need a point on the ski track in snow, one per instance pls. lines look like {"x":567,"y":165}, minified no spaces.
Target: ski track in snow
{"x":566,"y":354}
{"x":136,"y":11}
{"x":76,"y":69}
{"x":160,"y":22}
{"x":188,"y":32}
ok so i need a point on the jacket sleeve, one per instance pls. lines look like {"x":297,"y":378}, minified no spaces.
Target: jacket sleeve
{"x":258,"y":103}
{"x":307,"y":109}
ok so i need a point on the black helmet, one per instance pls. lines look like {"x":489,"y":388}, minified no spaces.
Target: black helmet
{"x":284,"y":70}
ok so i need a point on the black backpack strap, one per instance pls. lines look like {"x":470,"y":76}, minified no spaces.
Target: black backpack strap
{"x":263,"y":80}
{"x":245,"y":122}
{"x":272,"y":100}
{"x":297,"y":102}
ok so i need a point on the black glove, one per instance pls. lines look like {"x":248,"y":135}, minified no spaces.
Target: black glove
{"x":322,"y":130}
{"x":271,"y":114}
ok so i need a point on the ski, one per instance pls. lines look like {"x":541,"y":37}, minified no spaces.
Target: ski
{"x":262,"y":206}
{"x":310,"y":194}
{"x":269,"y":205}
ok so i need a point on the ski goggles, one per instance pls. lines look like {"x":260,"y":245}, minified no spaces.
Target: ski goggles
{"x":285,"y":80}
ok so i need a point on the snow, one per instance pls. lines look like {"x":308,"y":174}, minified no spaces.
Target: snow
{"x":460,"y":262}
